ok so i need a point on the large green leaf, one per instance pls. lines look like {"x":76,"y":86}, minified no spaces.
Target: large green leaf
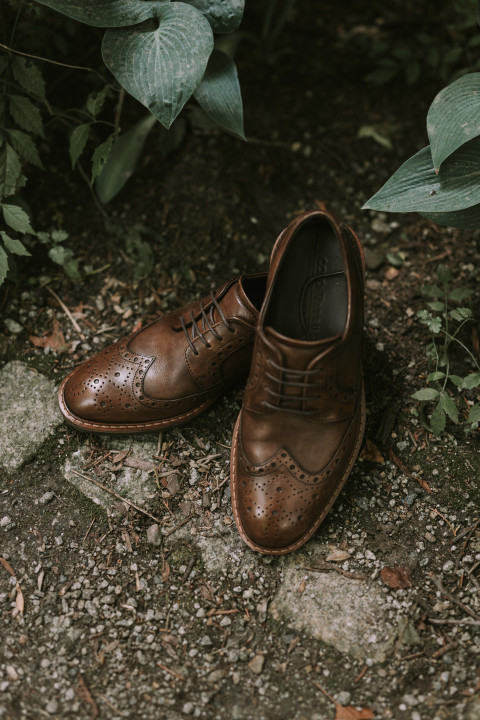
{"x":219,"y":93}
{"x":123,"y":159}
{"x":161,"y":63}
{"x":223,"y":15}
{"x":454,"y":117}
{"x":468,"y":219}
{"x":106,"y":13}
{"x":415,"y":186}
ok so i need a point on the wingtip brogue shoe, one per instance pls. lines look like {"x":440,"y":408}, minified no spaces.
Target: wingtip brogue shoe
{"x":303,"y":415}
{"x":170,"y":371}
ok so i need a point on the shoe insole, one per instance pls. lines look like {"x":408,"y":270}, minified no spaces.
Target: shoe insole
{"x":310,"y":298}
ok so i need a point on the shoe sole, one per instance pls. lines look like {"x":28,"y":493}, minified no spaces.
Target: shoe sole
{"x":306,"y":536}
{"x":128,"y":428}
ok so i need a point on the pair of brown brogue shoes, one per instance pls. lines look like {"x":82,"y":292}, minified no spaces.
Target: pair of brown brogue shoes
{"x":297,"y":330}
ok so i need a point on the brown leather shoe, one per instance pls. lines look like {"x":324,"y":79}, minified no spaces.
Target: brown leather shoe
{"x":303,"y":416}
{"x":170,"y":371}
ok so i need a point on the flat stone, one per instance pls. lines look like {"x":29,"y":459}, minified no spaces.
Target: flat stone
{"x":132,"y":483}
{"x":29,"y":414}
{"x":348,"y":614}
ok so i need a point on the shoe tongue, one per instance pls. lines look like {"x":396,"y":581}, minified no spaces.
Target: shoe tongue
{"x":232,"y":300}
{"x":298,"y":354}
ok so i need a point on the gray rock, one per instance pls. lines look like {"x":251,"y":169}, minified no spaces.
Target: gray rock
{"x":29,"y":414}
{"x":132,"y":483}
{"x":347,"y":614}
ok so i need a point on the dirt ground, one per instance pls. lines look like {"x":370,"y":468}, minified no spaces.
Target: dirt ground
{"x":210,"y":211}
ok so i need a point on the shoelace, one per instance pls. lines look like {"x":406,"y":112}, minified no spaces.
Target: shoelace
{"x":207,"y":324}
{"x":296,"y":382}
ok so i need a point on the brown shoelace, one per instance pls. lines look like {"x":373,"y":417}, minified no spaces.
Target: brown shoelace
{"x":208,"y":324}
{"x":288,"y":378}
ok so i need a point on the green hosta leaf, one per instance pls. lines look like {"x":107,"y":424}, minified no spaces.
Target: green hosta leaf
{"x":161,"y":63}
{"x":3,"y":265}
{"x":425,"y":394}
{"x":461,"y":314}
{"x":433,"y":323}
{"x":16,"y":218}
{"x":77,"y":142}
{"x":454,"y":117}
{"x":95,"y":101}
{"x":219,"y":93}
{"x":105,"y":13}
{"x":438,"y":420}
{"x":14,"y":245}
{"x":436,"y":305}
{"x":468,"y":219}
{"x":435,"y":376}
{"x":223,"y":15}
{"x":10,"y":172}
{"x":26,"y":114}
{"x":474,"y":414}
{"x":415,"y":186}
{"x":460,"y":294}
{"x":25,"y":146}
{"x":28,"y":75}
{"x":123,"y":159}
{"x":449,"y":406}
{"x":432,"y":291}
{"x":100,"y":156}
{"x":471,"y":381}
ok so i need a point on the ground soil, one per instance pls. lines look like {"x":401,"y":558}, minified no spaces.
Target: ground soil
{"x":211,"y":210}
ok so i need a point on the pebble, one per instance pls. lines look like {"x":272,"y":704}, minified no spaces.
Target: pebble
{"x":46,"y":498}
{"x":153,"y":534}
{"x":256,"y":664}
{"x":13,"y":326}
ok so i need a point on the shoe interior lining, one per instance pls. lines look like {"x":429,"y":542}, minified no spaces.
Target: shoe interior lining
{"x":254,"y":288}
{"x":310,"y":298}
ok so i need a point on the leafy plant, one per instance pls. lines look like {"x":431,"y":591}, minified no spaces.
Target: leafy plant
{"x":60,"y":254}
{"x":441,"y":181}
{"x":163,"y":52}
{"x":445,"y":324}
{"x":21,"y":125}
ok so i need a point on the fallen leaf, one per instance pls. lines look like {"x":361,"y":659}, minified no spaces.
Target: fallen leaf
{"x":84,"y":694}
{"x":55,"y":341}
{"x":371,"y":453}
{"x":396,"y":577}
{"x":7,"y":566}
{"x":348,"y":712}
{"x":338,"y":555}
